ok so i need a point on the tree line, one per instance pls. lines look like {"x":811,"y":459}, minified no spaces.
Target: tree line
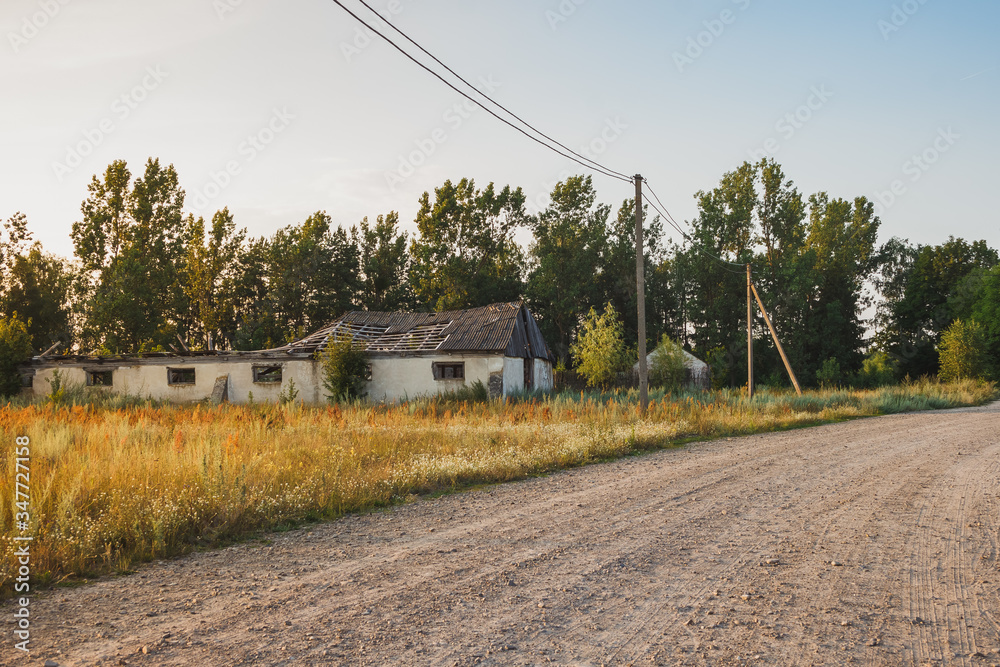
{"x":144,"y":274}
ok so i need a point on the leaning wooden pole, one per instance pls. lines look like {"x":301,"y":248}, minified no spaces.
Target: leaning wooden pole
{"x":774,"y":335}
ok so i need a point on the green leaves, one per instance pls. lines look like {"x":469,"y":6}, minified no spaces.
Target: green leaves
{"x":600,"y":350}
{"x":466,"y":255}
{"x":129,"y":243}
{"x":344,"y":369}
{"x":15,"y":349}
{"x":963,"y":351}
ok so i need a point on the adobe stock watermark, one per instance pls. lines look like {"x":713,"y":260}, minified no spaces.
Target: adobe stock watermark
{"x":900,"y":16}
{"x":562,"y":12}
{"x":123,"y":107}
{"x":363,"y":37}
{"x":225,"y":7}
{"x":698,"y":44}
{"x":788,"y":125}
{"x":248,"y":151}
{"x":612,"y":131}
{"x":453,"y":118}
{"x":915,"y":168}
{"x":22,"y":554}
{"x":34,"y":23}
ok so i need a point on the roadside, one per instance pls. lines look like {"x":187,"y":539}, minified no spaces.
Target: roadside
{"x":872,"y":541}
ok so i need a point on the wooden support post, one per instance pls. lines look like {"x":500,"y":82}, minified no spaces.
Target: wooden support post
{"x":774,"y":335}
{"x":640,"y":280}
{"x":749,"y":335}
{"x":52,"y":349}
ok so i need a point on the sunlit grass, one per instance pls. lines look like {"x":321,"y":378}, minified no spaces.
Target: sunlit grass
{"x":115,"y":485}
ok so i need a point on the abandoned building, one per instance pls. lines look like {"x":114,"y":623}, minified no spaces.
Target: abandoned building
{"x":409,"y":355}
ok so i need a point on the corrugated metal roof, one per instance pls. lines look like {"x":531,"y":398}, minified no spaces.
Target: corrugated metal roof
{"x":502,"y":327}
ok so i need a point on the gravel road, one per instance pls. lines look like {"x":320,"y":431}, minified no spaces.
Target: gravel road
{"x":869,"y":542}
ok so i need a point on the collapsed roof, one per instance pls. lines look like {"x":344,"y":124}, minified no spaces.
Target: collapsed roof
{"x":502,"y":327}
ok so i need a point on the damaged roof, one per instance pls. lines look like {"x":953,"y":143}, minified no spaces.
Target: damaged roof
{"x":502,"y":327}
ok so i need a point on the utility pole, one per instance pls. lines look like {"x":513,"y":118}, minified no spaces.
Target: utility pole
{"x":781,"y":350}
{"x":749,"y":334}
{"x":640,"y":280}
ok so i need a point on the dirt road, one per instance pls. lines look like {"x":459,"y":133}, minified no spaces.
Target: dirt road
{"x":871,"y":542}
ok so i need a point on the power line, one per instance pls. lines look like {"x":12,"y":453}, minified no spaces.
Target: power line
{"x":694,"y":244}
{"x":596,"y":164}
{"x":603,"y":170}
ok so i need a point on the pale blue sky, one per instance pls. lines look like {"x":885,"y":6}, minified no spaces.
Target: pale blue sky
{"x":888,"y":80}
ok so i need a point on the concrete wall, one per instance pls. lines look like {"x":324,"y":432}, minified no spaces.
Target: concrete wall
{"x":393,"y":378}
{"x":398,"y":378}
{"x":544,"y":377}
{"x":150,"y":380}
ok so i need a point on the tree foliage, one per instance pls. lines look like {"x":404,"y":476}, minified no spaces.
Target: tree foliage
{"x":344,"y":369}
{"x":567,"y":256}
{"x":963,"y":351}
{"x":130,"y":245}
{"x":384,"y":265}
{"x":667,"y":367}
{"x":600,"y":350}
{"x":466,"y":254}
{"x":924,"y":290}
{"x":15,"y":349}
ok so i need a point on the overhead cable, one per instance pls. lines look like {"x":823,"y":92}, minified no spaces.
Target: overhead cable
{"x":604,"y":171}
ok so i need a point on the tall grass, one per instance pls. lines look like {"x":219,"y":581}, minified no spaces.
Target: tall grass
{"x":113,"y":485}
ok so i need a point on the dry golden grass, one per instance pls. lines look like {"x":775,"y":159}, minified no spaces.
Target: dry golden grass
{"x":112,"y":487}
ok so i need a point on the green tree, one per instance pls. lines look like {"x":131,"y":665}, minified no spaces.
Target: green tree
{"x":15,"y":349}
{"x":384,"y":265}
{"x":257,"y":326}
{"x":922,"y":294}
{"x":130,"y":246}
{"x":570,"y":237}
{"x":209,"y":278}
{"x":466,"y":255}
{"x":344,"y":369}
{"x":617,"y":270}
{"x":986,"y":311}
{"x":667,"y":366}
{"x":312,"y":274}
{"x":810,"y":263}
{"x":829,"y":374}
{"x":877,"y":370}
{"x":38,"y":286}
{"x":963,"y":351}
{"x":600,"y":351}
{"x":841,"y":241}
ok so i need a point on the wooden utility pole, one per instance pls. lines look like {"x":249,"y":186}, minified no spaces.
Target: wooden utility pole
{"x":774,"y":335}
{"x":640,"y":281}
{"x":749,"y":335}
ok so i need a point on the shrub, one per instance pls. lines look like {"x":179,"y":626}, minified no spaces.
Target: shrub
{"x":15,"y":349}
{"x":877,"y":371}
{"x":344,"y":370}
{"x":718,"y":362}
{"x":829,"y":373}
{"x":600,"y":348}
{"x":667,"y":368}
{"x":963,"y":351}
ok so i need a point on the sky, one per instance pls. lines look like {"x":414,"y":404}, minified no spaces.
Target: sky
{"x":277,"y":110}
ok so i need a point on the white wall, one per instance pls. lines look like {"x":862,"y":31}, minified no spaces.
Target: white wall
{"x":396,"y":378}
{"x":393,"y":378}
{"x":150,"y":380}
{"x":544,"y":378}
{"x":513,"y":375}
